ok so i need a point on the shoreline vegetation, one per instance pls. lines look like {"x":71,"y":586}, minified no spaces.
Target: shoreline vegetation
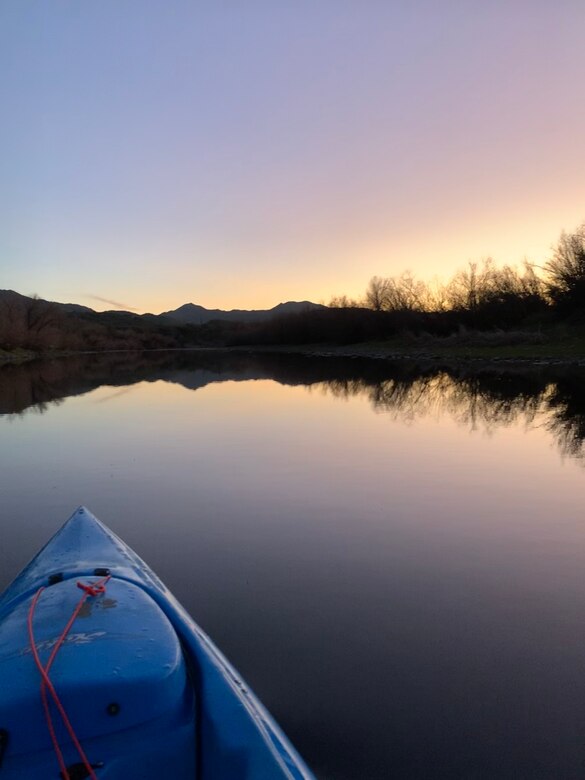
{"x":484,"y":312}
{"x":470,"y":350}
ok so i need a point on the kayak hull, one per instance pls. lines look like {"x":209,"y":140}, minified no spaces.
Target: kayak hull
{"x":146,"y":689}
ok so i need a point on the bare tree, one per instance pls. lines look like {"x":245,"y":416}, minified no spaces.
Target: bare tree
{"x":401,"y":293}
{"x":40,"y":315}
{"x":29,"y":322}
{"x":464,"y":288}
{"x":343,"y":302}
{"x":435,"y":297}
{"x":376,"y":294}
{"x":566,"y":270}
{"x":406,"y":293}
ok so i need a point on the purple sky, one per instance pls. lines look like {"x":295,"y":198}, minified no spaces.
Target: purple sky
{"x":237,"y":153}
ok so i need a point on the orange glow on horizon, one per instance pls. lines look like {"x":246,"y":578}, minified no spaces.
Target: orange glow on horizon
{"x":428,"y":254}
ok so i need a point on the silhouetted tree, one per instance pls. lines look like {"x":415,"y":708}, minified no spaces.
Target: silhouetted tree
{"x":566,"y":271}
{"x":467,"y":288}
{"x":343,"y":302}
{"x":401,"y":293}
{"x":376,"y":294}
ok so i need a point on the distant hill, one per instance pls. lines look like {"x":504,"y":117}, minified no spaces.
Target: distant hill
{"x":192,"y":314}
{"x":189,"y":313}
{"x":75,"y":308}
{"x":39,"y":325}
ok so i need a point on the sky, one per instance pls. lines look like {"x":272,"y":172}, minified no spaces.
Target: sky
{"x":240,"y":153}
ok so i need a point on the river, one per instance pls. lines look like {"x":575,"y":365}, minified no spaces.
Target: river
{"x":391,"y":554}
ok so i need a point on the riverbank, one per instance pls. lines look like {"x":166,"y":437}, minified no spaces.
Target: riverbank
{"x":17,"y":355}
{"x":541,"y":352}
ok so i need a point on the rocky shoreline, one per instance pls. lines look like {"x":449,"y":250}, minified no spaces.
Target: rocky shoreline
{"x":352,"y":351}
{"x":368,"y":352}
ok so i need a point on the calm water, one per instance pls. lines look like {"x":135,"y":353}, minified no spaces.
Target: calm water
{"x":392,"y":556}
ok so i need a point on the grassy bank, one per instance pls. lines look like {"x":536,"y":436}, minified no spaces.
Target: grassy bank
{"x":560,"y":346}
{"x":557,"y":347}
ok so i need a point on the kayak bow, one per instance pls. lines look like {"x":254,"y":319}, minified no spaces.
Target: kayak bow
{"x":145,"y":692}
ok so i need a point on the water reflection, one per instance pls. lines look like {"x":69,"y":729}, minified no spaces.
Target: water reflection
{"x":409,"y":602}
{"x":487,"y":399}
{"x":481,"y":399}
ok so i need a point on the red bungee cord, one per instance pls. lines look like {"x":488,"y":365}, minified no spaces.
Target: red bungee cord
{"x":93,"y":589}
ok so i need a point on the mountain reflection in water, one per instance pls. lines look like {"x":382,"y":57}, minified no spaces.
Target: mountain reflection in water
{"x":479,"y":397}
{"x":402,"y":589}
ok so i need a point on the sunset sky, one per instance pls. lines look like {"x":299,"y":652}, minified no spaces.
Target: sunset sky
{"x":239,"y":153}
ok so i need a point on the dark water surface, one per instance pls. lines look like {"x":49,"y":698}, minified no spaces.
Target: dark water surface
{"x":393,"y":556}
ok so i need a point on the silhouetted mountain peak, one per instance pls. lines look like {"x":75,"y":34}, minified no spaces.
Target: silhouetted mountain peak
{"x":195,"y":314}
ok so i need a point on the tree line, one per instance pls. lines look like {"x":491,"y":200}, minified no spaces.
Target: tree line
{"x":491,"y":294}
{"x":480,"y":297}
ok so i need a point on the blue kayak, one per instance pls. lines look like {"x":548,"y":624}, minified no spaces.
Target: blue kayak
{"x":104,"y":675}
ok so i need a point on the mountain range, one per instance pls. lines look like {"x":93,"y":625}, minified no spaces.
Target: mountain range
{"x":188,"y":313}
{"x":38,"y":325}
{"x":193,"y":314}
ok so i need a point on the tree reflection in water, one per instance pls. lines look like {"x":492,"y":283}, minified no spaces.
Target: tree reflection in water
{"x":480,"y":397}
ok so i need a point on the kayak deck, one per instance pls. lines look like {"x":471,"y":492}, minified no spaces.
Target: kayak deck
{"x":120,"y":669}
{"x":146,"y":691}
